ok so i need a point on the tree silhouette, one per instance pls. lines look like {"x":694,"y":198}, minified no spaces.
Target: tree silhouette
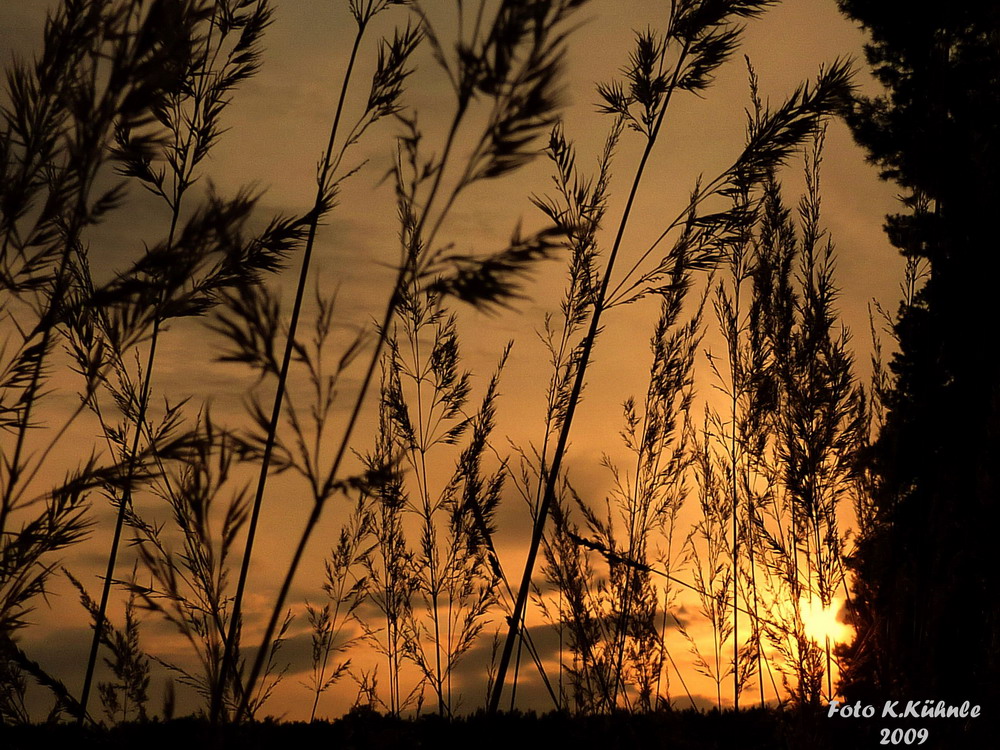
{"x":925,"y":606}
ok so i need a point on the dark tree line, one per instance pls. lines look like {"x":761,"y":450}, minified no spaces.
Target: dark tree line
{"x":925,"y":603}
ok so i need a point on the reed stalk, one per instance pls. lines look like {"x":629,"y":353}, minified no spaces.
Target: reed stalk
{"x":518,"y":58}
{"x":326,"y":188}
{"x":699,"y":40}
{"x":104,"y":67}
{"x":226,"y":54}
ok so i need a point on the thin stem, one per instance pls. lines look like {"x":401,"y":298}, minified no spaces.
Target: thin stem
{"x":735,"y":386}
{"x":553,"y":475}
{"x":47,"y":324}
{"x":756,"y":608}
{"x":181,"y":183}
{"x":428,"y":519}
{"x":228,"y":665}
{"x":314,"y":516}
{"x":406,"y":265}
{"x":124,"y":503}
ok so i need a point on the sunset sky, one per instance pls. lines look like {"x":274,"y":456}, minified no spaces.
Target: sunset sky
{"x":278,"y":125}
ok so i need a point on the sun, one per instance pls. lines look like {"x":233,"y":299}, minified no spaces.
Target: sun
{"x":822,"y":623}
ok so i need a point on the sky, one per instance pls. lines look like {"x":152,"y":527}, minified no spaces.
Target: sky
{"x":277,"y":128}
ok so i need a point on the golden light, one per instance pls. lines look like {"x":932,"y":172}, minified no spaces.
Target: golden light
{"x":823,"y":622}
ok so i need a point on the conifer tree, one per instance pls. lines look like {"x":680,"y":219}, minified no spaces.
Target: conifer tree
{"x":925,"y":606}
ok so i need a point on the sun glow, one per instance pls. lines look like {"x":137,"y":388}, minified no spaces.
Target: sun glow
{"x":824,"y":622}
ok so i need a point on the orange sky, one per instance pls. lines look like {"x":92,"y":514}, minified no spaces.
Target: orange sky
{"x":278,"y":125}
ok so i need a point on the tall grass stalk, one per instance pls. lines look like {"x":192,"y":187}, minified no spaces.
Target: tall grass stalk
{"x":653,"y":499}
{"x":223,"y":50}
{"x":188,"y":587}
{"x":699,"y":37}
{"x":513,"y":62}
{"x":599,"y":620}
{"x":130,"y":666}
{"x":426,"y":396}
{"x":578,"y":208}
{"x":738,"y":432}
{"x":390,"y":567}
{"x":346,"y":591}
{"x":104,"y":67}
{"x":819,"y":423}
{"x":385,"y":89}
{"x":709,"y":549}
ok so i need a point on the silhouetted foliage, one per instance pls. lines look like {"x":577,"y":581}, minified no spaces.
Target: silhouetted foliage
{"x":923,"y":570}
{"x":129,"y":97}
